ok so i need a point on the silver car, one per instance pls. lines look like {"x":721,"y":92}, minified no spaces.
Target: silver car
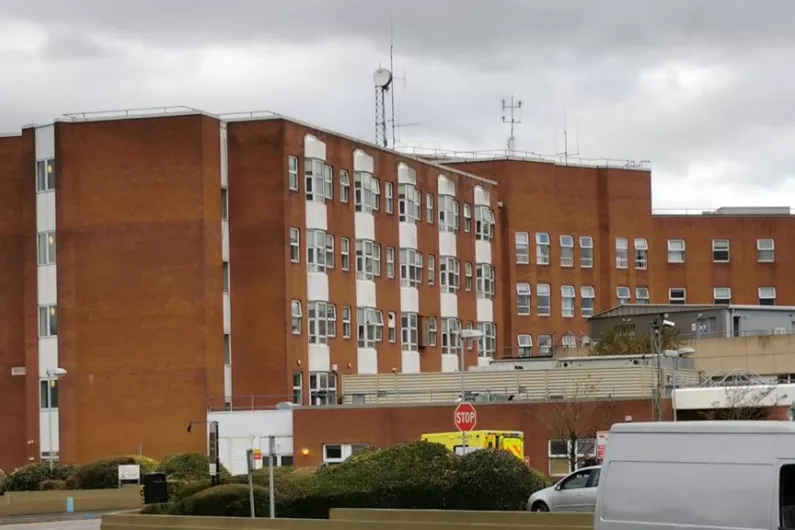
{"x":573,"y":493}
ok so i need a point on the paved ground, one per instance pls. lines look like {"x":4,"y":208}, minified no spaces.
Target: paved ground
{"x":84,"y":524}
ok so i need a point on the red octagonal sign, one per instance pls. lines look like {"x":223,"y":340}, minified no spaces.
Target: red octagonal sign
{"x":465,"y":417}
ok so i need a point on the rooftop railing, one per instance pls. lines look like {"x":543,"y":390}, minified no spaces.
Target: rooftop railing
{"x":130,"y":113}
{"x":723,"y":211}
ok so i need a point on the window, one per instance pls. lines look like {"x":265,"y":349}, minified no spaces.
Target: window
{"x":484,"y":223}
{"x":345,"y":253}
{"x":676,"y":251}
{"x":542,"y":248}
{"x":431,"y":269}
{"x":389,"y":196}
{"x":322,"y":322}
{"x":568,"y":341}
{"x":522,"y":247}
{"x":392,"y":324}
{"x":432,"y":331}
{"x":450,"y":274}
{"x":677,"y":296}
{"x":467,"y":218}
{"x":588,"y":294}
{"x":314,"y":171}
{"x":485,"y":281}
{"x":410,"y":268}
{"x":345,"y":186}
{"x":48,"y":321}
{"x":370,"y":326}
{"x":722,"y":295}
{"x":544,"y":299}
{"x":567,"y":297}
{"x":545,"y":344}
{"x":322,"y":388}
{"x":390,"y":262}
{"x":365,"y":191}
{"x":227,"y":349}
{"x":468,"y":274}
{"x":560,"y":455}
{"x":319,"y":251}
{"x":487,"y":344}
{"x":586,"y":252}
{"x":224,"y":204}
{"x":767,"y":296}
{"x":429,"y":208}
{"x":298,"y":388}
{"x":525,"y":345}
{"x":470,"y":342}
{"x":448,"y":213}
{"x":46,"y":248}
{"x":52,"y":402}
{"x":641,"y":253}
{"x":336,"y":453}
{"x":368,"y":259}
{"x":376,"y":194}
{"x":720,"y":250}
{"x":566,"y":251}
{"x":765,"y":250}
{"x":409,"y":332}
{"x":328,"y":178}
{"x":523,"y":299}
{"x":408,"y":203}
{"x":624,"y":295}
{"x":225,"y":276}
{"x":295,"y":245}
{"x":642,"y":295}
{"x":622,"y":253}
{"x":292,"y":172}
{"x":346,"y":322}
{"x":451,"y":336}
{"x":297,"y":314}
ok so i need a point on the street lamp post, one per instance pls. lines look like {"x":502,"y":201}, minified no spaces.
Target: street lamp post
{"x":465,"y":334}
{"x":52,"y":376}
{"x":675,"y":355}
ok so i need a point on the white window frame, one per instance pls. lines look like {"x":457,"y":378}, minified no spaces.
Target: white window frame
{"x":346,"y":451}
{"x":624,"y":295}
{"x":295,"y":245}
{"x":390,"y":262}
{"x":524,"y":299}
{"x":298,"y":388}
{"x":485,"y":281}
{"x":566,"y":250}
{"x":677,"y":253}
{"x":225,"y":276}
{"x":543,"y":300}
{"x":314,"y":179}
{"x":561,"y":457}
{"x":484,"y":223}
{"x":431,"y":269}
{"x":449,"y":274}
{"x":522,"y":242}
{"x":719,"y":246}
{"x":346,"y":322}
{"x":409,"y":332}
{"x":328,"y":179}
{"x":410,"y":268}
{"x":641,"y":253}
{"x":224,"y":204}
{"x":767,"y":293}
{"x":675,"y":300}
{"x":568,"y":341}
{"x":408,"y":203}
{"x":389,"y":195}
{"x":622,"y":253}
{"x":765,"y":250}
{"x":545,"y":344}
{"x":48,"y":321}
{"x":487,"y":344}
{"x":369,"y":326}
{"x":292,"y":172}
{"x":322,"y":321}
{"x":722,"y":293}
{"x":317,"y":251}
{"x":542,"y":248}
{"x":467,"y":218}
{"x":296,"y":316}
{"x":587,"y":301}
{"x":345,"y":253}
{"x":429,"y":208}
{"x":368,"y":259}
{"x":322,"y":388}
{"x":468,"y":275}
{"x":48,"y":394}
{"x":525,"y":345}
{"x":391,"y":323}
{"x":451,"y":336}
{"x":345,"y":186}
{"x":642,"y":295}
{"x":586,"y":252}
{"x":365,"y":190}
{"x":45,"y":246}
{"x":568,"y":299}
{"x":376,"y":194}
{"x":448,"y":213}
{"x":432,"y":331}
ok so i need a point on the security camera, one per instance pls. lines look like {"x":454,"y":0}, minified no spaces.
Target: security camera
{"x":668,"y":324}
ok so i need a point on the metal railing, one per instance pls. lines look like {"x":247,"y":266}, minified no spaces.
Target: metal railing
{"x":249,"y":114}
{"x":722,"y":212}
{"x":130,"y":113}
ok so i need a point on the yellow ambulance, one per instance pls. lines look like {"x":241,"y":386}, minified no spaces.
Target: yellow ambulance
{"x":511,"y":441}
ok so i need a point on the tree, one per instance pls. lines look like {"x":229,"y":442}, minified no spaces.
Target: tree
{"x":578,"y":416}
{"x":622,"y":340}
{"x":743,"y":402}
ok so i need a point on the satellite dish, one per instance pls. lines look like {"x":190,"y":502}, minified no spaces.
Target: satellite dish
{"x":382,"y":78}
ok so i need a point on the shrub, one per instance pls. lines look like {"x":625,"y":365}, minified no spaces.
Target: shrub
{"x":104,"y":473}
{"x":492,"y":479}
{"x":226,"y":500}
{"x":188,"y":466}
{"x":29,"y":477}
{"x":52,"y":484}
{"x":187,"y":489}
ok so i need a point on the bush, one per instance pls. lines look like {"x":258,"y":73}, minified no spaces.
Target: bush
{"x":187,"y":489}
{"x":188,"y":467}
{"x":51,"y":484}
{"x":104,"y":473}
{"x":226,"y":500}
{"x":31,"y":476}
{"x":157,"y":509}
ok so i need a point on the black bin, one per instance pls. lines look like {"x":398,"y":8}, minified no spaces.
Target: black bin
{"x":155,"y":488}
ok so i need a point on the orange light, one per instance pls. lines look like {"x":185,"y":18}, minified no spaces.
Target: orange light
{"x":305,"y":451}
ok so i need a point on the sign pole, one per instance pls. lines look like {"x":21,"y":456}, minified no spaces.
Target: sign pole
{"x":250,"y":464}
{"x":271,"y":485}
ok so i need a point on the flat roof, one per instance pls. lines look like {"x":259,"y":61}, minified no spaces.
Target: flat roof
{"x":707,"y":427}
{"x":653,"y":309}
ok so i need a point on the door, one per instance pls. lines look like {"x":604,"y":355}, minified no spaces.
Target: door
{"x":571,"y":493}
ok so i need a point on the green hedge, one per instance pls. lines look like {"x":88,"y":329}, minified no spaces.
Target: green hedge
{"x":104,"y":473}
{"x":226,"y":500}
{"x":188,"y":466}
{"x":31,"y":476}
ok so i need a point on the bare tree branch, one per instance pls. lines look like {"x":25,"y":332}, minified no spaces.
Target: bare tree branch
{"x":742,"y":403}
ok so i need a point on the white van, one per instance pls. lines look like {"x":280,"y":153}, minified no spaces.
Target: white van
{"x":702,"y":474}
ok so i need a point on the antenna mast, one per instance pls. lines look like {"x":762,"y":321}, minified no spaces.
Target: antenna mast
{"x":565,"y":154}
{"x":512,"y":120}
{"x":392,"y":69}
{"x":383,"y":80}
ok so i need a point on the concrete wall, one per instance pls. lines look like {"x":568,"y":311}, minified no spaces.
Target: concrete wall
{"x":764,"y":355}
{"x":53,"y":502}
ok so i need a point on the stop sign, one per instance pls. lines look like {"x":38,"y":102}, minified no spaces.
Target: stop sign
{"x":465,"y":417}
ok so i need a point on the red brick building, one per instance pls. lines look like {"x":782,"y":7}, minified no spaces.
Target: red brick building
{"x":177,"y":262}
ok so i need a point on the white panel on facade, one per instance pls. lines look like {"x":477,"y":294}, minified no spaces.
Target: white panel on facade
{"x":484,"y":361}
{"x":225,"y":240}
{"x":45,"y":211}
{"x":48,"y":355}
{"x":48,"y":285}
{"x":409,"y":300}
{"x":365,"y":293}
{"x":445,"y":186}
{"x":317,"y":286}
{"x":481,"y":196}
{"x":314,"y":148}
{"x":363,"y":162}
{"x":241,"y":424}
{"x":45,"y":144}
{"x":450,"y":363}
{"x":364,"y":225}
{"x":406,"y":175}
{"x":367,"y":361}
{"x":408,"y":235}
{"x":227,"y":314}
{"x":49,"y":423}
{"x":485,"y":310}
{"x":227,"y":381}
{"x":447,"y":246}
{"x":319,"y":358}
{"x":410,"y":362}
{"x":316,"y":216}
{"x":237,"y":449}
{"x":449,"y":305}
{"x":283,"y":445}
{"x":224,"y":154}
{"x":483,"y":252}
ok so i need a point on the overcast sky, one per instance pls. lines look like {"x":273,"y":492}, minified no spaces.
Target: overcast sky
{"x":702,"y":88}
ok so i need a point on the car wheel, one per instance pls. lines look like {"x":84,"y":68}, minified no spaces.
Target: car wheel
{"x":539,"y":507}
